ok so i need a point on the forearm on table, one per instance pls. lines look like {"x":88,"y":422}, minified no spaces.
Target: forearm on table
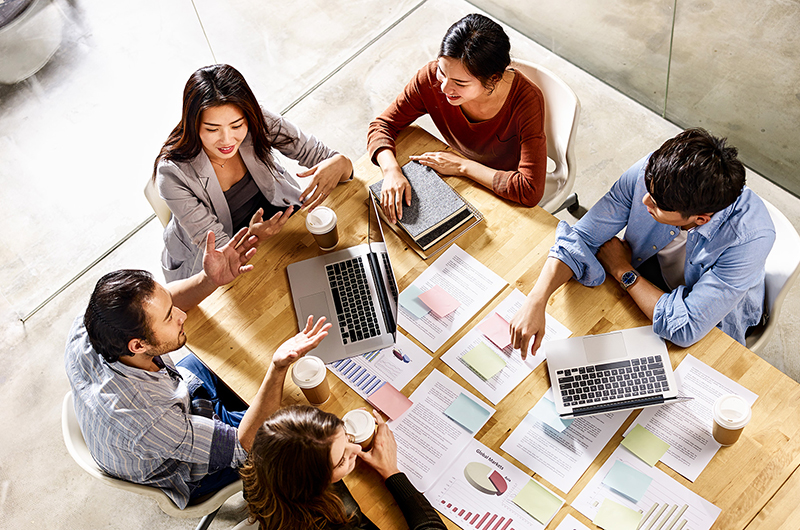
{"x":386,"y":159}
{"x":479,"y":173}
{"x":555,"y":273}
{"x":266,"y":402}
{"x":644,"y":293}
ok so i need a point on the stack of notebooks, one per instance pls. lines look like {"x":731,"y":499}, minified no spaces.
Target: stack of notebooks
{"x":437,"y":215}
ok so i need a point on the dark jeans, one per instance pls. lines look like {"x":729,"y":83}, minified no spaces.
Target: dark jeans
{"x":230,"y":410}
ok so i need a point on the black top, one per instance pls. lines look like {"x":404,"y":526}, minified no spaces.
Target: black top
{"x":244,"y":199}
{"x":418,"y":512}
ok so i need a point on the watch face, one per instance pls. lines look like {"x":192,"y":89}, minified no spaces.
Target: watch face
{"x":628,"y":278}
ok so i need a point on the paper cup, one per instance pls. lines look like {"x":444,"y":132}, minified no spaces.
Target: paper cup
{"x":731,"y":414}
{"x":361,"y":426}
{"x":322,"y":223}
{"x":309,"y":373}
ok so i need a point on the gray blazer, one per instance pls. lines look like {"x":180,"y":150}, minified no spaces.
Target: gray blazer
{"x":193,"y":193}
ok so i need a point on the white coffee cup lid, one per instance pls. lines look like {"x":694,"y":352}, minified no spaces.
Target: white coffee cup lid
{"x":360,"y":424}
{"x":731,"y":411}
{"x":308,"y":371}
{"x":321,"y":220}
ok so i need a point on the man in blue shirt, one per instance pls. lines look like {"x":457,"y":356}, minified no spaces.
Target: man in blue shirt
{"x":146,"y":420}
{"x":696,"y":240}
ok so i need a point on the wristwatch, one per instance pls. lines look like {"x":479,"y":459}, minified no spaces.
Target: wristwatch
{"x":628,"y":279}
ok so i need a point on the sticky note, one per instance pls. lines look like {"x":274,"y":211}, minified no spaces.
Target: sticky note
{"x":496,"y":330}
{"x":439,"y":301}
{"x":538,"y":501}
{"x":464,"y":411}
{"x":545,"y":411}
{"x":627,"y":481}
{"x":646,"y":445}
{"x":390,"y":401}
{"x":614,"y":516}
{"x":409,"y":299}
{"x":483,"y":361}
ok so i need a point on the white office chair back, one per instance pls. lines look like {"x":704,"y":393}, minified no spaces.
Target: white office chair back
{"x":78,"y":450}
{"x":562,"y":110}
{"x":158,"y":204}
{"x":782,"y":269}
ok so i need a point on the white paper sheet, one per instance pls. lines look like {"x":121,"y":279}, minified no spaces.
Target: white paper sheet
{"x":427,"y":440}
{"x":570,"y":523}
{"x":664,"y":501}
{"x":686,"y":426}
{"x":469,"y":507}
{"x":463,"y":277}
{"x":561,"y":458}
{"x":516,"y":370}
{"x":366,"y":373}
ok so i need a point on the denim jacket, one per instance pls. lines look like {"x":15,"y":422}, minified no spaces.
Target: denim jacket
{"x":724,"y":268}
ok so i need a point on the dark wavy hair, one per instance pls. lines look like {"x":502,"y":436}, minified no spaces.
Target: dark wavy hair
{"x":116,"y":314}
{"x":694,"y":173}
{"x":482,"y":47}
{"x":287,"y":475}
{"x":212,"y":86}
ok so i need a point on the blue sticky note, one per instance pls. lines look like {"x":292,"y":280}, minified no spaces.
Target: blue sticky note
{"x":467,"y":413}
{"x":545,"y":411}
{"x":409,"y":299}
{"x":627,"y":481}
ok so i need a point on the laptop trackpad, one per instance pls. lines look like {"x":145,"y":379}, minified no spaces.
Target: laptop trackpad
{"x":316,"y":305}
{"x":601,"y":348}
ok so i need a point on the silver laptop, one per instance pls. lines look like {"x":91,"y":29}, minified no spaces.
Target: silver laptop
{"x":622,"y":370}
{"x":355,"y":290}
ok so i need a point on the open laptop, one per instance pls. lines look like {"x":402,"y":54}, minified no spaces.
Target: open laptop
{"x":622,"y":370}
{"x":355,"y":290}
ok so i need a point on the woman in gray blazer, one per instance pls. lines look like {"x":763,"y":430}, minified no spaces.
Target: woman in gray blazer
{"x":216,"y":171}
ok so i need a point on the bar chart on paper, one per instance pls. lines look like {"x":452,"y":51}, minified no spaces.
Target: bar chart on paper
{"x":666,"y":505}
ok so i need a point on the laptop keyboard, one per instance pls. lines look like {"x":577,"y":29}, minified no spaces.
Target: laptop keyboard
{"x":354,"y":307}
{"x":612,"y":381}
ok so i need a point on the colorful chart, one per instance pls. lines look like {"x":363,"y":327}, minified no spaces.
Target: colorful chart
{"x":357,"y":374}
{"x":485,"y":479}
{"x":481,"y":520}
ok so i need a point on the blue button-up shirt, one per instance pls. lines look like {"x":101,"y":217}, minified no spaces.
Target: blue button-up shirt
{"x":724,"y":267}
{"x":140,"y":426}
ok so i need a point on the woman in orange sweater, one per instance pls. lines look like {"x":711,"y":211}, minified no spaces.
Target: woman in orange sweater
{"x":487,"y":112}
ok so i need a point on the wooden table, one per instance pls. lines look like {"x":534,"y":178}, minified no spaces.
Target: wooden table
{"x":236,"y":330}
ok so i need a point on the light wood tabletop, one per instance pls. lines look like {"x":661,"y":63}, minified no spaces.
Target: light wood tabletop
{"x":237,"y":328}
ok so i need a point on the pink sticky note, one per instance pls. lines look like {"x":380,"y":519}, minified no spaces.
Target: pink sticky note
{"x":390,"y":401}
{"x":439,"y":301}
{"x":496,"y":330}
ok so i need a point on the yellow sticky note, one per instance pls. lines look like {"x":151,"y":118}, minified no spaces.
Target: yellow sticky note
{"x":483,"y":361}
{"x":646,"y":445}
{"x":538,"y":501}
{"x":614,"y":516}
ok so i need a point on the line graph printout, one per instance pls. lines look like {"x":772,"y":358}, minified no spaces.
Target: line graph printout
{"x":666,"y":504}
{"x":516,"y":370}
{"x":396,"y":364}
{"x":477,"y":491}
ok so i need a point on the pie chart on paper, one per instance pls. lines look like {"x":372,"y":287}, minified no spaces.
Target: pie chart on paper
{"x":485,"y":479}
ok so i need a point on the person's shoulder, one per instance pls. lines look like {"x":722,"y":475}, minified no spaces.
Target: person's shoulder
{"x":523,"y":86}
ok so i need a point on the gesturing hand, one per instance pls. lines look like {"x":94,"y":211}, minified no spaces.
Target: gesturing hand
{"x":383,"y":455}
{"x":326,"y":175}
{"x":266,"y":229}
{"x":223,"y":265}
{"x":302,"y":343}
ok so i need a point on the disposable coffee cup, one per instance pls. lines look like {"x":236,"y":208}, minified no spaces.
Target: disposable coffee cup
{"x":361,"y":426}
{"x":731,"y":413}
{"x":309,"y":373}
{"x":322,"y":225}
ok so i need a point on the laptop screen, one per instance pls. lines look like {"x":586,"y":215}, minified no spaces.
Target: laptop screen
{"x":380,"y":263}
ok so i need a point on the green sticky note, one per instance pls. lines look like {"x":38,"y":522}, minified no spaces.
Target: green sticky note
{"x":483,"y":361}
{"x":646,"y":445}
{"x":538,"y":501}
{"x":614,"y":516}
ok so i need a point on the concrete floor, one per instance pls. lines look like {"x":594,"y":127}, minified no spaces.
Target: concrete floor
{"x":77,"y":142}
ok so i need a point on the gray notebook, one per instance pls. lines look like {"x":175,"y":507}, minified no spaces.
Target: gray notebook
{"x":433,"y":201}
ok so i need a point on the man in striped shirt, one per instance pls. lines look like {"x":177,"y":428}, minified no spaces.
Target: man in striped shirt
{"x":147,"y":420}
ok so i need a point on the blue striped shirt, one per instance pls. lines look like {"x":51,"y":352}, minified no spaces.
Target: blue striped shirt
{"x":140,"y":426}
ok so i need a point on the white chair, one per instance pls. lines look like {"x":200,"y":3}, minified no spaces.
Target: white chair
{"x":562,"y":110}
{"x":29,"y":41}
{"x":76,"y":446}
{"x":158,"y":204}
{"x":782,"y":270}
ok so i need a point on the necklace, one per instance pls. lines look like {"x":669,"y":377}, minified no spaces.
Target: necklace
{"x":217,"y":163}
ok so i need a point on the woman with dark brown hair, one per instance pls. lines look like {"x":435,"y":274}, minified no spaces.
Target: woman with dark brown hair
{"x":216,"y":170}
{"x":293,"y":475}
